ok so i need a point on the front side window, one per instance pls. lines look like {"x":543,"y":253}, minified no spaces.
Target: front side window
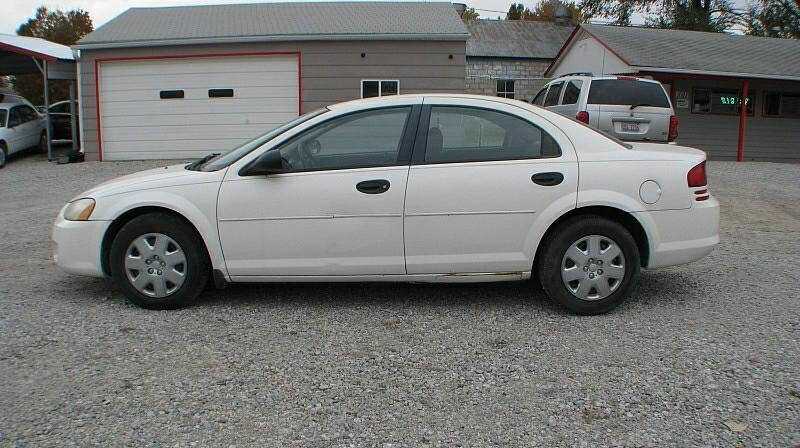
{"x":720,"y":101}
{"x":461,"y":134}
{"x":505,"y":88}
{"x":373,"y":87}
{"x":552,"y":95}
{"x":3,"y":116}
{"x":782,"y":104}
{"x":27,"y":114}
{"x":237,"y":153}
{"x":362,"y":139}
{"x":572,"y":91}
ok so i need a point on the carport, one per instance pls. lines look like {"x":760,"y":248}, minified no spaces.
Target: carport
{"x":22,"y":55}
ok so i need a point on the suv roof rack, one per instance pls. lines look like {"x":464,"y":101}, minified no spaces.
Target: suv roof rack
{"x":577,"y":74}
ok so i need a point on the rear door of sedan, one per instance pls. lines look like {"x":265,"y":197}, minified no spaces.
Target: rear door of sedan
{"x":483,"y":175}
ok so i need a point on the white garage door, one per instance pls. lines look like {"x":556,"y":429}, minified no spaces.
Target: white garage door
{"x":184,"y":108}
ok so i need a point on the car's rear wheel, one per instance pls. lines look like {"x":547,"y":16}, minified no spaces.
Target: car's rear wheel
{"x":159,"y":262}
{"x":589,"y":265}
{"x":43,"y":142}
{"x":3,"y":154}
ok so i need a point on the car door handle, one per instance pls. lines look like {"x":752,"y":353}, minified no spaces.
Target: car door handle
{"x":547,"y":179}
{"x":375,"y":186}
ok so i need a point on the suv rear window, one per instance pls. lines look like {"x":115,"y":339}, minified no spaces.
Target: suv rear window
{"x":627,"y":92}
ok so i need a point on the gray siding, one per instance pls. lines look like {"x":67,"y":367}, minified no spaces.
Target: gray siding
{"x":766,"y":138}
{"x":331,"y":71}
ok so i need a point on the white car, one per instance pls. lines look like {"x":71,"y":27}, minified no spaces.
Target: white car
{"x":21,"y":127}
{"x":413,"y":188}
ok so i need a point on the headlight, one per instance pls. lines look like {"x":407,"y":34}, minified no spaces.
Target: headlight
{"x":79,"y":210}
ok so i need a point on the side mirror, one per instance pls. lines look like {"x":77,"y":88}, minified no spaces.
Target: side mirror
{"x":270,"y":162}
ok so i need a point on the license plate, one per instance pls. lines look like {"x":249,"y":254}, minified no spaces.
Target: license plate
{"x":629,"y":127}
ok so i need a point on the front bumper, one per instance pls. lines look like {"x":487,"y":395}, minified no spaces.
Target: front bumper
{"x":78,"y":246}
{"x":683,"y":236}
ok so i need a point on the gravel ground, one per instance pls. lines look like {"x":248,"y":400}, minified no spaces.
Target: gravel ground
{"x":702,"y":355}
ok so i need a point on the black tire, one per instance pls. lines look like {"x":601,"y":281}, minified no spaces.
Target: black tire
{"x":42,"y":147}
{"x":197,"y":264}
{"x":549,"y":264}
{"x":4,"y":155}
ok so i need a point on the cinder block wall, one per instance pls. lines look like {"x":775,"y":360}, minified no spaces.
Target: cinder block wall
{"x":482,"y":75}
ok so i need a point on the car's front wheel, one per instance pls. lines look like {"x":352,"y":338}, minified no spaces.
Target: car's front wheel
{"x":3,"y":155}
{"x":589,"y":264}
{"x":158,"y":261}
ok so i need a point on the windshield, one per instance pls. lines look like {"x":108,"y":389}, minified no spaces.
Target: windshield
{"x":235,"y":154}
{"x":3,"y":115}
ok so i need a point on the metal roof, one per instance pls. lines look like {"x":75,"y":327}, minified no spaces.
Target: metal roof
{"x":700,"y":52}
{"x":279,"y":22}
{"x":516,"y":38}
{"x":17,"y":55}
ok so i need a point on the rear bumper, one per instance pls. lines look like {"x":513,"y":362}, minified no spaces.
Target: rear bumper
{"x":78,"y":246}
{"x":682,"y":236}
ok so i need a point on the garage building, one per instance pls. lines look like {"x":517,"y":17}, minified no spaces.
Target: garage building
{"x":706,"y":75}
{"x":180,"y":82}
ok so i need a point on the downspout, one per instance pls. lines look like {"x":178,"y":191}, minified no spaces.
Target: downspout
{"x":742,"y":120}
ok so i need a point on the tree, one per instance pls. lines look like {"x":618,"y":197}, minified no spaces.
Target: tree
{"x":773,"y":18}
{"x":698,"y":15}
{"x":545,"y":10}
{"x":695,"y":15}
{"x":56,"y":26}
{"x":470,"y":14}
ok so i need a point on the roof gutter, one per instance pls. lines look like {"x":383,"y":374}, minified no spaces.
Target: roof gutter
{"x":284,"y":38}
{"x":717,"y":73}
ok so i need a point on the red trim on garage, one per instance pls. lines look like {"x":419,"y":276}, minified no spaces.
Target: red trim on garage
{"x":743,"y":119}
{"x":188,"y":56}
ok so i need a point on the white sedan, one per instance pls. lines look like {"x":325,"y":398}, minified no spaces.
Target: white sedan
{"x":413,"y":188}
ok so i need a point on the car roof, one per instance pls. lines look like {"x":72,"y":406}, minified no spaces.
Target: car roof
{"x":594,"y":78}
{"x":404,"y":99}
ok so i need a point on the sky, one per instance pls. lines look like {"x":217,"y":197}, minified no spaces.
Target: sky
{"x":16,"y":12}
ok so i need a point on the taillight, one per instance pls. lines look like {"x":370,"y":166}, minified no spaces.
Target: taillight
{"x":697,"y":176}
{"x":583,"y":116}
{"x":673,"y":128}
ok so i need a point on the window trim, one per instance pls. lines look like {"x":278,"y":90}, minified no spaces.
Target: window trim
{"x":505,"y":91}
{"x":764,"y":105}
{"x":752,"y":92}
{"x":421,"y":141}
{"x":380,"y":86}
{"x":403,"y":153}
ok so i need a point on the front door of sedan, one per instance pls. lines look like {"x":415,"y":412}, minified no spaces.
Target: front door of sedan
{"x":338,"y":208}
{"x":484,"y":175}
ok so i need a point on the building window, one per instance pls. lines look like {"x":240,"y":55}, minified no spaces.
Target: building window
{"x":720,"y":101}
{"x":378,"y":87}
{"x":505,"y":88}
{"x":782,"y":104}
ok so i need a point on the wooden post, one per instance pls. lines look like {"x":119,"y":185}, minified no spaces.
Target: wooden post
{"x":742,"y":120}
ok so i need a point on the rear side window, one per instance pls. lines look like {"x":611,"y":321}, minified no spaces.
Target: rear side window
{"x":572,"y":91}
{"x":553,"y":94}
{"x":627,"y":92}
{"x":463,"y":134}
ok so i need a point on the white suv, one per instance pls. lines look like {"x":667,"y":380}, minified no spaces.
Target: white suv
{"x":626,"y":107}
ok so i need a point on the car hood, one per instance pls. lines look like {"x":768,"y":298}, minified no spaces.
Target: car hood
{"x":167,"y":176}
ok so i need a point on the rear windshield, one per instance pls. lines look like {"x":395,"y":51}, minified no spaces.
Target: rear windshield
{"x":627,"y":92}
